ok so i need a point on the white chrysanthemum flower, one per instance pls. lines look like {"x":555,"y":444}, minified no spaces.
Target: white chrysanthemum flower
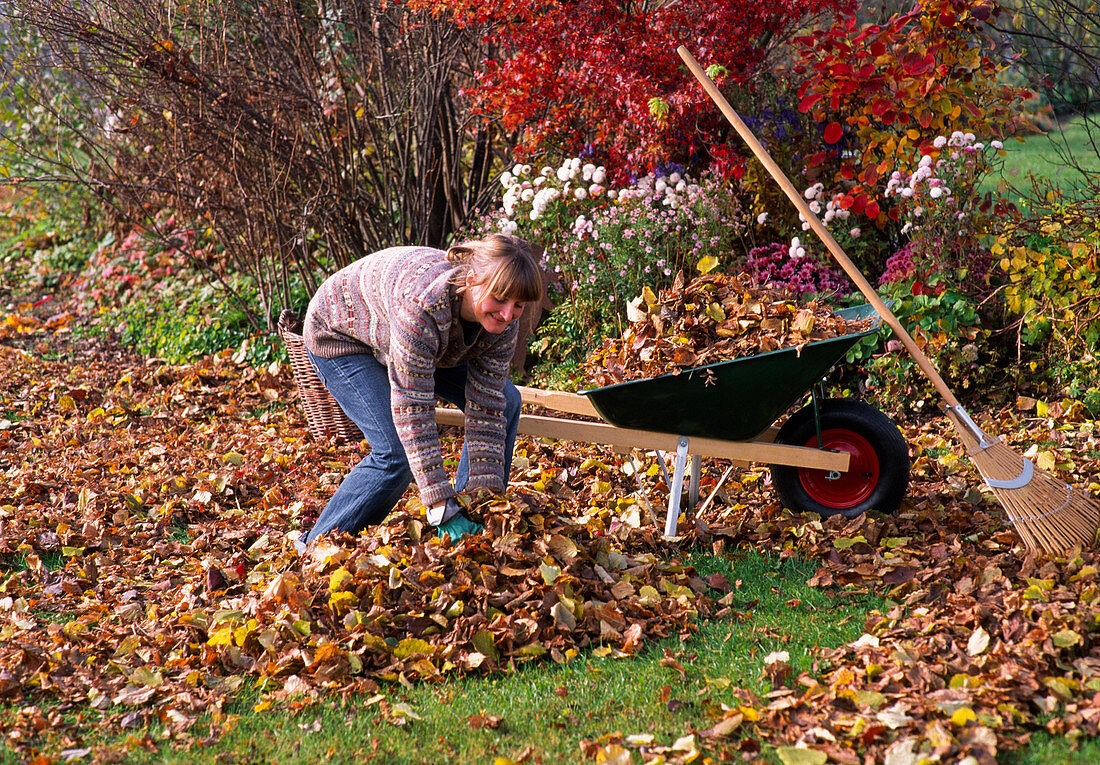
{"x":599,"y":174}
{"x":674,"y":179}
{"x":527,"y":195}
{"x":940,"y":141}
{"x":506,"y":178}
{"x":580,"y":192}
{"x":997,"y":145}
{"x":588,"y":171}
{"x":906,"y":192}
{"x":815,"y":207}
{"x":935,"y":192}
{"x":855,"y":232}
{"x":534,"y":214}
{"x":762,"y":218}
{"x":612,"y":194}
{"x":546,"y":172}
{"x":925,"y":161}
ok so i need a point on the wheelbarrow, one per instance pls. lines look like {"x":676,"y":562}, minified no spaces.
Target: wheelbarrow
{"x":833,"y":456}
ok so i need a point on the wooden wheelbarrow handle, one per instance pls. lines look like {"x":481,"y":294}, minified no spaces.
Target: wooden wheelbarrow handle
{"x":818,"y":227}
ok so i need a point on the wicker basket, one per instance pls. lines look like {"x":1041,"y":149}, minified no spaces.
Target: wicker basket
{"x":324,"y":416}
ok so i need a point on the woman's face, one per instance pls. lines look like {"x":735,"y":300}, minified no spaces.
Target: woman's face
{"x":493,"y":313}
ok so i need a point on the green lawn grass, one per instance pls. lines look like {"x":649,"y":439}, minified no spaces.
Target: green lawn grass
{"x":1039,"y":155}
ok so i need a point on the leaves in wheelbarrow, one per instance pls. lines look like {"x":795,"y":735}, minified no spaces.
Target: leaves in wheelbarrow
{"x":716,"y":317}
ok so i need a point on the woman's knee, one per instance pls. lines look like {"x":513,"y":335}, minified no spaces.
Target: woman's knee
{"x":392,"y":462}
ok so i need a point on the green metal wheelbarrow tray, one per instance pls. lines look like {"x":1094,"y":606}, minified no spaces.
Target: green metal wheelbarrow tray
{"x":832,"y":456}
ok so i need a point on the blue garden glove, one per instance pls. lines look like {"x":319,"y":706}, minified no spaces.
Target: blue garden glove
{"x":458,"y":526}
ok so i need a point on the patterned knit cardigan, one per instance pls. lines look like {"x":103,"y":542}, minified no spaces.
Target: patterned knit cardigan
{"x":400,"y":305}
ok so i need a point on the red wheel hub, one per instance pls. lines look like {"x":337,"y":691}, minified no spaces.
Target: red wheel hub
{"x":841,"y":491}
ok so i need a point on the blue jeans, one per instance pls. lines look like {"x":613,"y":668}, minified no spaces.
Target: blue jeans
{"x":361,"y":385}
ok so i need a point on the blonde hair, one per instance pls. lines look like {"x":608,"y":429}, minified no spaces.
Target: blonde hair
{"x":503,"y":263}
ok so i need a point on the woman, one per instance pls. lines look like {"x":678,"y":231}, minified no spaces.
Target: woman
{"x":394,"y":330}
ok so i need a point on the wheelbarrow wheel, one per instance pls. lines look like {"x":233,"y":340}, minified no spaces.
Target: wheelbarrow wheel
{"x":878,"y":472}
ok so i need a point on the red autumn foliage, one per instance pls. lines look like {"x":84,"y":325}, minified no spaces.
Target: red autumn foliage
{"x":604,"y":75}
{"x":882,"y":93}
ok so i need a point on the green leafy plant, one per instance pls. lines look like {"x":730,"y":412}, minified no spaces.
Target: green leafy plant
{"x":948,"y":328}
{"x":1051,"y":263}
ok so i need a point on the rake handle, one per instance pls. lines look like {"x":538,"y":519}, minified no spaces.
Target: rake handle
{"x":818,"y":227}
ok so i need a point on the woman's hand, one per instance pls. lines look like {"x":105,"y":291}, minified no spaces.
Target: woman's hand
{"x":459,"y":526}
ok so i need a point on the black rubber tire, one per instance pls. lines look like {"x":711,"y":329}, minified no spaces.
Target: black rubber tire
{"x":879,"y":473}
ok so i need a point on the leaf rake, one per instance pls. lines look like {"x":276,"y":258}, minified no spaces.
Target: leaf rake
{"x":1048,"y":514}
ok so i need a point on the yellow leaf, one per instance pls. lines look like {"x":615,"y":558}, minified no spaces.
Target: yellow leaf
{"x":796,"y":755}
{"x":411,"y":646}
{"x":873,"y":699}
{"x":962,"y":716}
{"x":707,"y":264}
{"x":337,"y":579}
{"x":341,"y":602}
{"x":1066,"y":638}
{"x":1045,"y":461}
{"x":224,"y":636}
{"x":845,"y":543}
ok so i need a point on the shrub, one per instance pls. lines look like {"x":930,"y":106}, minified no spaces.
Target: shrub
{"x":944,"y":216}
{"x":881,"y":93}
{"x":948,"y":328}
{"x":303,"y":135}
{"x":1051,"y":260}
{"x":604,"y":74}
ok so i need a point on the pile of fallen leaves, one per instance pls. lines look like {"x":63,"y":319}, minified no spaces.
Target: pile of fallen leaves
{"x":147,"y":514}
{"x":147,"y":519}
{"x":715,"y":317}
